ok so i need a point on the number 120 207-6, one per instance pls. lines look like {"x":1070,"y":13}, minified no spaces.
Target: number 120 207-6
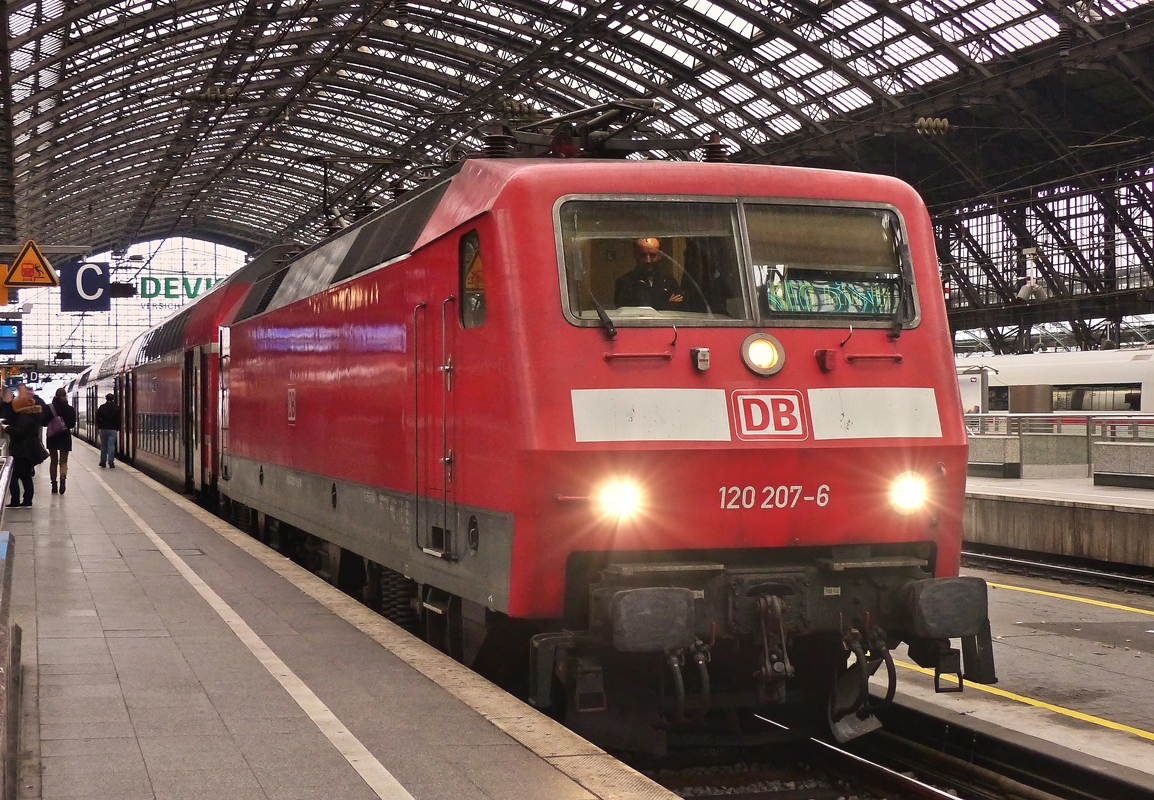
{"x":737,"y":497}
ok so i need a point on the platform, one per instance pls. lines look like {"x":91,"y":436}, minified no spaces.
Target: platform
{"x":169,"y":656}
{"x":1065,"y":517}
{"x":1075,"y":675}
{"x":1062,"y":491}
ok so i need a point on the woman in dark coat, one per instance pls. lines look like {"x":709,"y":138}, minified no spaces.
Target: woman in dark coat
{"x":59,"y":437}
{"x":24,"y":446}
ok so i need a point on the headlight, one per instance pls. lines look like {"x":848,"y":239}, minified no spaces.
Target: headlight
{"x":908,"y":492}
{"x":620,"y":498}
{"x":763,"y":354}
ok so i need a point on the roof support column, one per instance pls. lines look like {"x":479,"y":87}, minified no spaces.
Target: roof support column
{"x":1109,"y":241}
{"x":7,"y":160}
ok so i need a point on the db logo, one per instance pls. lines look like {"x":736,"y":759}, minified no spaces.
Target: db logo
{"x":770,"y":415}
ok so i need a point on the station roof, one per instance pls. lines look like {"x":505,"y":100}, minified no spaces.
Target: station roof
{"x":138,"y":119}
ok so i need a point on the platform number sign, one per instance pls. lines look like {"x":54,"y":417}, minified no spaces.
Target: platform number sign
{"x":85,"y":287}
{"x":11,"y":338}
{"x":292,"y":405}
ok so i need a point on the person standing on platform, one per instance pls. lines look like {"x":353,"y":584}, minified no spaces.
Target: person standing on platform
{"x":24,"y":446}
{"x":59,"y":420}
{"x":6,"y":398}
{"x":24,"y":390}
{"x":108,"y":423}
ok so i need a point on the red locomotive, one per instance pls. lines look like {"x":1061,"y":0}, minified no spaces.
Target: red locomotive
{"x":692,"y":427}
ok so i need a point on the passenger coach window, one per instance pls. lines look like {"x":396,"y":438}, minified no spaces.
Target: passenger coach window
{"x":818,"y":260}
{"x":472,"y":278}
{"x":644,"y":259}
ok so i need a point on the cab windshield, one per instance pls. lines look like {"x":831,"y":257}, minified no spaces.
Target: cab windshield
{"x":814,"y":260}
{"x":678,"y":262}
{"x":653,"y":259}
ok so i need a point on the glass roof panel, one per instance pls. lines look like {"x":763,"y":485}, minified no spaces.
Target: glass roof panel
{"x":109,"y":93}
{"x":738,"y":25}
{"x":784,"y":124}
{"x":851,"y":99}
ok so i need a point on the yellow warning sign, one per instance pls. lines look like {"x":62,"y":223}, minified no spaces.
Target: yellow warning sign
{"x":31,"y":269}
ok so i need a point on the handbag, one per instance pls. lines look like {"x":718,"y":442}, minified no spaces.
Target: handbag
{"x":56,"y":424}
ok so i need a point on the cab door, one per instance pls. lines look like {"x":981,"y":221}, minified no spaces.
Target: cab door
{"x":125,"y":397}
{"x":456,"y":304}
{"x":222,"y":420}
{"x":434,"y":324}
{"x":193,"y":376}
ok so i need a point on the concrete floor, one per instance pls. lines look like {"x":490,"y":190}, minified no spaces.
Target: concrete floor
{"x":1075,"y":668}
{"x":1071,"y":490}
{"x":135,"y":686}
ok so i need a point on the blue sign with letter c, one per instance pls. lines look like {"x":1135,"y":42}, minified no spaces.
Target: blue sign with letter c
{"x":84,"y":287}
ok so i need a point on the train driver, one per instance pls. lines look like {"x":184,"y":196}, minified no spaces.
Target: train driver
{"x":646,"y":284}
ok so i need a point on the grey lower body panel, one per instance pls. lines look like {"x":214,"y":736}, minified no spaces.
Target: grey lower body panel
{"x":470,"y":557}
{"x":171,"y":471}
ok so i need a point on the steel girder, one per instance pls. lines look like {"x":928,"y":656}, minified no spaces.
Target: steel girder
{"x":7,"y":163}
{"x":1093,"y":249}
{"x":134,"y":119}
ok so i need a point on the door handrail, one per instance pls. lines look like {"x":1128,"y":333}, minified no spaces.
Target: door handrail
{"x":417,"y":429}
{"x":446,"y":387}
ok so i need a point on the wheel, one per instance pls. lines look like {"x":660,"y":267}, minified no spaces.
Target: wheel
{"x":397,"y":594}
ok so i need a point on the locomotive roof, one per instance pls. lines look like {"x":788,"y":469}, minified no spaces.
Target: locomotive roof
{"x":283,"y":274}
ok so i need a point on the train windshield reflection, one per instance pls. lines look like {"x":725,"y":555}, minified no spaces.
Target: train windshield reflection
{"x":681,"y":261}
{"x":824,"y":260}
{"x":653,"y":259}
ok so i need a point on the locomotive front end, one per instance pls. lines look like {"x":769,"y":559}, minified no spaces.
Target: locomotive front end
{"x":763,"y":495}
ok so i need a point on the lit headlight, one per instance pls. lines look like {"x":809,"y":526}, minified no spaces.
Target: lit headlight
{"x":908,"y":492}
{"x":621,"y":499}
{"x":762,"y":353}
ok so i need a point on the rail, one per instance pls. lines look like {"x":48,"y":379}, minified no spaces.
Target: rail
{"x":1123,"y":429}
{"x":976,"y":760}
{"x":1082,"y":571}
{"x":919,"y":754}
{"x":1065,"y":437}
{"x":1062,"y":422}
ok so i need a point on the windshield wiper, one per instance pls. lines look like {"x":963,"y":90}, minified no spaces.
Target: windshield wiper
{"x":606,"y":323}
{"x":579,"y":273}
{"x":904,"y":263}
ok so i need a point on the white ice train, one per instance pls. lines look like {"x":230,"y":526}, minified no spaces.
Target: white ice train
{"x":1093,"y":381}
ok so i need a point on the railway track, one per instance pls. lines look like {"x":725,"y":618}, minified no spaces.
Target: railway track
{"x":1072,"y":571}
{"x":805,"y":770}
{"x":916,"y":757}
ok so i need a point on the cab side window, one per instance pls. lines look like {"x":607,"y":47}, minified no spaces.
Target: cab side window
{"x":472,"y":281}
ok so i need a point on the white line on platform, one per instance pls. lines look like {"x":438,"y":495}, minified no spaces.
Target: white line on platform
{"x":379,"y":779}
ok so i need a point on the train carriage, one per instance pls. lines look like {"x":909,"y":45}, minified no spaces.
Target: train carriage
{"x":165,"y":383}
{"x":695,"y":428}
